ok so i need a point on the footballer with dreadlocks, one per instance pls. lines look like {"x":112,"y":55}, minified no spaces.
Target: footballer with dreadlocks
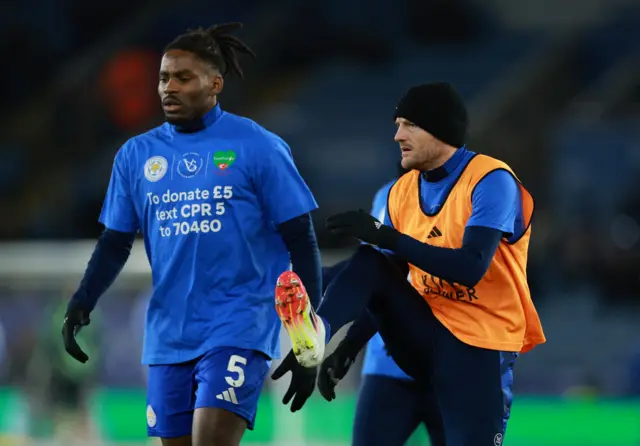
{"x":223,"y":211}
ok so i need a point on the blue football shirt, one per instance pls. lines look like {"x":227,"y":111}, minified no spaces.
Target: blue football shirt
{"x":208,"y":204}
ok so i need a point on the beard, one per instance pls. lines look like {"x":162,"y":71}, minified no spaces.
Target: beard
{"x":186,"y":124}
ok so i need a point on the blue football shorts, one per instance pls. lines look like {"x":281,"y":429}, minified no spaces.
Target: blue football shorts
{"x":227,"y":378}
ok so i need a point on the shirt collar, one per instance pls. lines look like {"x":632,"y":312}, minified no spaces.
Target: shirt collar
{"x":196,"y":125}
{"x":440,"y":173}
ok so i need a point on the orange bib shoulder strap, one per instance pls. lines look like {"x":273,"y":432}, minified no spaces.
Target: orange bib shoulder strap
{"x":399,"y":193}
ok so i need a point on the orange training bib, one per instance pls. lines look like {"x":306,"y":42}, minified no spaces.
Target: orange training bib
{"x":497,"y":313}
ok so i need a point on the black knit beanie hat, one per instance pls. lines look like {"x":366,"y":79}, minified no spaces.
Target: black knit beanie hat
{"x":438,"y":109}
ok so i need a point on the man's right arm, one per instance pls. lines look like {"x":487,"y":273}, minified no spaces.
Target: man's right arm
{"x":114,"y":245}
{"x":112,"y":251}
{"x":108,"y":259}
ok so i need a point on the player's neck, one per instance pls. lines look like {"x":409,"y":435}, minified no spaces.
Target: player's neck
{"x":210,"y":116}
{"x":437,"y":169}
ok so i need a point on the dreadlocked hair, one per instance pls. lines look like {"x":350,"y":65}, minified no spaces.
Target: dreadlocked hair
{"x":214,"y":45}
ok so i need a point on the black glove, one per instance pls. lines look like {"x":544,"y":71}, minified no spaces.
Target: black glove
{"x":74,"y":319}
{"x":303,"y":381}
{"x":361,"y":225}
{"x":334,"y":368}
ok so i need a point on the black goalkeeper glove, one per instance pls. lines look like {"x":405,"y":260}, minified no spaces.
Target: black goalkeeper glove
{"x":303,"y":381}
{"x":75,"y":318}
{"x":359,"y":224}
{"x":334,"y":368}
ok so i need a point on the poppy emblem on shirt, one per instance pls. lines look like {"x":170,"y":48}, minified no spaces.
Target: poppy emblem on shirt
{"x":155,"y":168}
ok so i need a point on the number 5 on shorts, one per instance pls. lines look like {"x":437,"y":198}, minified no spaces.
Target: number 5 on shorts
{"x":233,"y":367}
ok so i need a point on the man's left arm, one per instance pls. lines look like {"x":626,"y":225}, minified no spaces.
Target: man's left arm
{"x":300,"y":239}
{"x":288,"y":202}
{"x":494,"y":209}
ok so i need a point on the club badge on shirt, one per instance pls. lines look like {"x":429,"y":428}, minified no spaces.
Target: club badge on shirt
{"x":155,"y":168}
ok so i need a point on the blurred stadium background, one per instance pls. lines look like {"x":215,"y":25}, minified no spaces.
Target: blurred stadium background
{"x":553,"y":87}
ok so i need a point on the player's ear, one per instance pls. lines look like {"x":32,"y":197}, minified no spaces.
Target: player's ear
{"x":217,"y":84}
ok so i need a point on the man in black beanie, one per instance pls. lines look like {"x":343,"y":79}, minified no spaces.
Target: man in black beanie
{"x":459,"y":224}
{"x":390,"y":405}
